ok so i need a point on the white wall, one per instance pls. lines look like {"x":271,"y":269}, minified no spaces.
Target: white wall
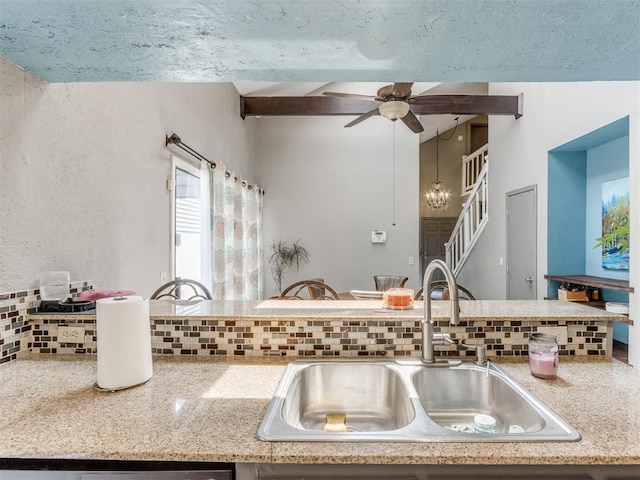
{"x":83,"y":172}
{"x":554,"y":114}
{"x":634,"y":234}
{"x":330,"y":186}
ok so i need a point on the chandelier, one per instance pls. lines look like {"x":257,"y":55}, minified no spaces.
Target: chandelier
{"x":437,"y":198}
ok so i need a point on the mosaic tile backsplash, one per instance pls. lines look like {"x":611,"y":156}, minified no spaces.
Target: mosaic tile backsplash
{"x":15,"y":331}
{"x":326,"y":338}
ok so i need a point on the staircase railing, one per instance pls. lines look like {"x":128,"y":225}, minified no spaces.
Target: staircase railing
{"x":470,"y":223}
{"x":472,"y":166}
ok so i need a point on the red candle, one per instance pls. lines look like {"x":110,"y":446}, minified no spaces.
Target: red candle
{"x":398,"y":298}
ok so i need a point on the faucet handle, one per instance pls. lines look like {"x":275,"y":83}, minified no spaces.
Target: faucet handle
{"x":442,"y":339}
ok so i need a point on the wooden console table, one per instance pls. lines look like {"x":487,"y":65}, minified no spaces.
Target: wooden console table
{"x":591,"y":281}
{"x":596,"y":282}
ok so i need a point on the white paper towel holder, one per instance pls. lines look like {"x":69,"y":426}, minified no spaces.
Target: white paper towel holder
{"x":96,"y":386}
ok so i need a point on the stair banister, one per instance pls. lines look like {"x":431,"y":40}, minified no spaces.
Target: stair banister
{"x":472,"y":166}
{"x":471,"y":222}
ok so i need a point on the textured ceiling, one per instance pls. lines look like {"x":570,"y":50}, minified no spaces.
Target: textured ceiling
{"x":323,"y":41}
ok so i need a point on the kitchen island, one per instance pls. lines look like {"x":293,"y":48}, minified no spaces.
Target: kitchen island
{"x":209,"y":410}
{"x":350,"y":328}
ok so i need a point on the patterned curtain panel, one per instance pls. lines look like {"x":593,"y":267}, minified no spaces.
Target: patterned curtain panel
{"x":236,"y":237}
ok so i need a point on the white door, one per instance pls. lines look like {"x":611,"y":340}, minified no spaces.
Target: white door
{"x":521,"y":244}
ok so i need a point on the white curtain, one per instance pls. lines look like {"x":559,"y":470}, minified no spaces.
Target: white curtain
{"x":205,"y":221}
{"x":236,"y":237}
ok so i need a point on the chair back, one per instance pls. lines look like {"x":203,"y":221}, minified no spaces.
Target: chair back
{"x":182,"y":289}
{"x":385,"y":282}
{"x":440,"y":291}
{"x":366,"y":294}
{"x":313,"y":289}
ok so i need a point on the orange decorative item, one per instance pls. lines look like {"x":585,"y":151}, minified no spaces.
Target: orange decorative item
{"x":398,"y":298}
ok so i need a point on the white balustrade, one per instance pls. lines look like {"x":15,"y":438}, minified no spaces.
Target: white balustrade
{"x":472,"y":165}
{"x":471,"y":222}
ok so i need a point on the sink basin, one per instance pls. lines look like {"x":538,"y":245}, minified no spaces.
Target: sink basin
{"x":372,"y":397}
{"x":452,"y":397}
{"x":365,"y":401}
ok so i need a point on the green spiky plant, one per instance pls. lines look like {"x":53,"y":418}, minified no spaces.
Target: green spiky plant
{"x":620,"y":236}
{"x":284,"y":256}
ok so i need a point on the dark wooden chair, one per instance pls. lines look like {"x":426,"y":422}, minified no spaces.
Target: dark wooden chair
{"x":439,"y":291}
{"x":385,"y":282}
{"x":182,"y":289}
{"x":313,"y":289}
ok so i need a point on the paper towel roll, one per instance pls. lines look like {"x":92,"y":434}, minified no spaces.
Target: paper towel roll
{"x":124,"y":342}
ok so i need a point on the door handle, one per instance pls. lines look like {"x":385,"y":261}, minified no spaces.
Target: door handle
{"x":529,"y":280}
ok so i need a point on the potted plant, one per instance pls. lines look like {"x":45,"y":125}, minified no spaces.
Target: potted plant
{"x":285,"y":255}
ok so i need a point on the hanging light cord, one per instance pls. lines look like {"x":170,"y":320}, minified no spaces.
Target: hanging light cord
{"x":438,"y":145}
{"x":452,"y":132}
{"x":437,"y":156}
{"x":393,"y":202}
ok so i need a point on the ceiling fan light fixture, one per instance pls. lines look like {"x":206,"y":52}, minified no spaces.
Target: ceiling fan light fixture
{"x":393,"y":109}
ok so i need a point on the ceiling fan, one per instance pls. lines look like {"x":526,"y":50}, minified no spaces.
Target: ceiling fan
{"x":394,"y":101}
{"x":391,"y":101}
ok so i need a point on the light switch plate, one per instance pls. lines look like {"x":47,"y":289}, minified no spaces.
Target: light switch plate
{"x":378,"y":236}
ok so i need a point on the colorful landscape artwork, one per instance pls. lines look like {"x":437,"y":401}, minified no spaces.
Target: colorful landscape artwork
{"x":615,"y":224}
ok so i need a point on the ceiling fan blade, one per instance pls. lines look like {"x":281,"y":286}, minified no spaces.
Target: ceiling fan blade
{"x":362,"y":117}
{"x":411,"y":121}
{"x":401,"y":90}
{"x":467,"y":104}
{"x":350,"y":95}
{"x":312,"y":105}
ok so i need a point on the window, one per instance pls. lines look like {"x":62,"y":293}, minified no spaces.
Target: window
{"x":187,"y":221}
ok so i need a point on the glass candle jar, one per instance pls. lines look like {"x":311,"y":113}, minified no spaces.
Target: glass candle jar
{"x":543,"y":355}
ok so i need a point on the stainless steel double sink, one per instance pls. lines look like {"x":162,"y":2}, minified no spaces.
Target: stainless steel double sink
{"x":405,"y":401}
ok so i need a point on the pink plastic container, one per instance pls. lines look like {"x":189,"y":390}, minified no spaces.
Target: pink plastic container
{"x":94,"y":295}
{"x":543,"y":355}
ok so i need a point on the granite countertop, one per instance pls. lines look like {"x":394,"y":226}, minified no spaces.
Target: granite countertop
{"x":472,"y":311}
{"x":210,"y":410}
{"x":477,"y":310}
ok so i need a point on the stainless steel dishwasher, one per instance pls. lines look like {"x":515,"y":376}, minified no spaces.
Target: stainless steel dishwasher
{"x":117,"y":475}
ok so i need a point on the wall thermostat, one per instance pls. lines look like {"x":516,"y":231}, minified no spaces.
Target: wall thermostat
{"x":378,"y":236}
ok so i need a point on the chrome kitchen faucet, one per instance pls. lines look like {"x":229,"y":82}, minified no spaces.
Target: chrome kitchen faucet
{"x":429,"y":338}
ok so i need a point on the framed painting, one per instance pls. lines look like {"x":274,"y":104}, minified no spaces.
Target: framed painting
{"x":615,"y":224}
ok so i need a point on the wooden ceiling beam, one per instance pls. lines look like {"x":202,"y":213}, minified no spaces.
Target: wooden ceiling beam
{"x":468,"y":105}
{"x":313,"y":105}
{"x":424,"y":105}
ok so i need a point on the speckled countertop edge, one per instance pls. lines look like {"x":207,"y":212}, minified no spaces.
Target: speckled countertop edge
{"x":470,"y":311}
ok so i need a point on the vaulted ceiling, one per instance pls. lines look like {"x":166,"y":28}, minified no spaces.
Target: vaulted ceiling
{"x":322,"y":41}
{"x":305,"y":47}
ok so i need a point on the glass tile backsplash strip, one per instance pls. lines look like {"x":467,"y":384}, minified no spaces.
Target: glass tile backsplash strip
{"x":322,"y":338}
{"x":15,"y":331}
